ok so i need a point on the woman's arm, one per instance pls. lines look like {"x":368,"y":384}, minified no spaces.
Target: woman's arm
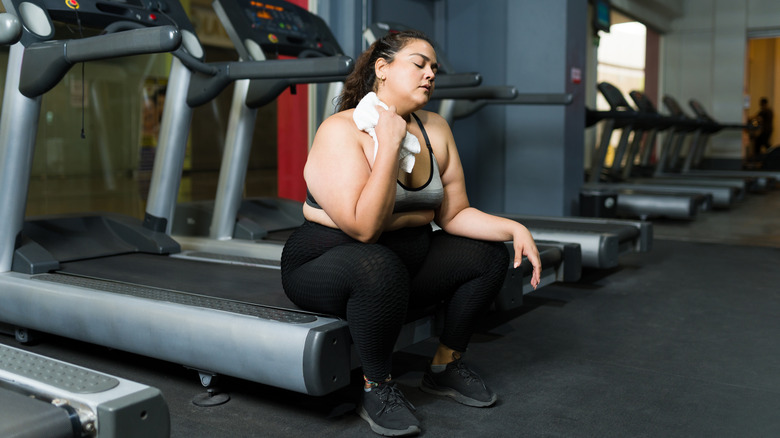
{"x":396,"y":221}
{"x":476,"y":224}
{"x":356,"y":194}
{"x":457,"y":217}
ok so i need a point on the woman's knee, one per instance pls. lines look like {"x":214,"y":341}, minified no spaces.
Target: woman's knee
{"x":486,"y":254}
{"x":495,"y":252}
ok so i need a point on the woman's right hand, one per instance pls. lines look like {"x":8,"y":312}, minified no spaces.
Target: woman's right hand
{"x":390,"y":130}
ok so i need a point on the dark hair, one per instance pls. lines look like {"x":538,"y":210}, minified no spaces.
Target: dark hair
{"x":362,"y":79}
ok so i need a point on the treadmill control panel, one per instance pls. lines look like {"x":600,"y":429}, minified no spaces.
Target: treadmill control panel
{"x":277,"y":27}
{"x":37,"y":15}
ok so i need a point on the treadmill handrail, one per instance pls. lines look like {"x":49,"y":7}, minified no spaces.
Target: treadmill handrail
{"x":10,"y":29}
{"x":205,"y":87}
{"x":46,"y":63}
{"x":464,"y":108}
{"x":503,"y":93}
{"x":456,"y":80}
{"x":262,"y":92}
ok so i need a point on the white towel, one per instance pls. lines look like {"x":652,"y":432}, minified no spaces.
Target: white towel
{"x":366,"y":117}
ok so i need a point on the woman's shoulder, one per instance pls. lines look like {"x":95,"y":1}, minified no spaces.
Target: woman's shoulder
{"x":436,"y":126}
{"x":340,"y":119}
{"x":337,"y":131}
{"x":430,"y":117}
{"x":338,"y":125}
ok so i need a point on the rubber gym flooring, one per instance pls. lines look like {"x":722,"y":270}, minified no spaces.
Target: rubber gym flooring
{"x":678,"y":342}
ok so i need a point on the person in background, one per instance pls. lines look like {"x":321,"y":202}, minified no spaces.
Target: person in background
{"x":764,"y":120}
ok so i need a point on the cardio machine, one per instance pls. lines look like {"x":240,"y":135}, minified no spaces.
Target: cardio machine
{"x":113,"y":280}
{"x":725,"y":192}
{"x":47,"y":397}
{"x":708,"y":126}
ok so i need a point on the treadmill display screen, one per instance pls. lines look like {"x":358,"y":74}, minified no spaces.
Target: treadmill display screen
{"x":275,"y":18}
{"x":277,"y":26}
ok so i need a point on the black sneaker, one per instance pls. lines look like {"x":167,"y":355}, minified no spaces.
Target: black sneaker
{"x":460,"y":383}
{"x":388,"y":412}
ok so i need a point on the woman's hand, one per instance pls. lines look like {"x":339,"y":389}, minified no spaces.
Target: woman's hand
{"x":524,"y":245}
{"x":390,"y":129}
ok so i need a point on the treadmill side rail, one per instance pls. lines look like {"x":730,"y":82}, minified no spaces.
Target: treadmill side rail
{"x":99,"y":404}
{"x":272,"y":352}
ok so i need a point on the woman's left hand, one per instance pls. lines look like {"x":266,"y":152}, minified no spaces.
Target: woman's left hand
{"x":524,"y":245}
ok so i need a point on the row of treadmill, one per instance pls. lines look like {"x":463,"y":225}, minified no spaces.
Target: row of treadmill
{"x":671,"y":181}
{"x":199,"y":284}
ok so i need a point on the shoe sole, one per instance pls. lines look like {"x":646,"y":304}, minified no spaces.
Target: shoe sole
{"x":458,"y":397}
{"x":381,"y":430}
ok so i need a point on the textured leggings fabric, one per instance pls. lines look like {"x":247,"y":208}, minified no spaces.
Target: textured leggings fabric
{"x":373,"y":286}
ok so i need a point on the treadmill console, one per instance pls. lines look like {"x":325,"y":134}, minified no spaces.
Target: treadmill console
{"x":673,"y":107}
{"x":275,"y":27}
{"x":37,"y":15}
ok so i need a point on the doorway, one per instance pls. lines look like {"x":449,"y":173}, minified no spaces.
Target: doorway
{"x":761,"y":81}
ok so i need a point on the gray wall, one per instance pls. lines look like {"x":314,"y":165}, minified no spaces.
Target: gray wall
{"x":481,"y":137}
{"x":522,"y":158}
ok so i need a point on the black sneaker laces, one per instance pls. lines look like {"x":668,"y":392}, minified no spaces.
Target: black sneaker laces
{"x":465,"y":372}
{"x":392,"y":398}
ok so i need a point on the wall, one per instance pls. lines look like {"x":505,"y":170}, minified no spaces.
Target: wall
{"x":703,"y":56}
{"x":481,"y":137}
{"x":522,"y":158}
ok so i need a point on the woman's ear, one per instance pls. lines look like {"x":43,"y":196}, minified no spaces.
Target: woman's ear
{"x":379,"y":68}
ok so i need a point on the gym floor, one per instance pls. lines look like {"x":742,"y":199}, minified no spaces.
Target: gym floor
{"x":678,"y":342}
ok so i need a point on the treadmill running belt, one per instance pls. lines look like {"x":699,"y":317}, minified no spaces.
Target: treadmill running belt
{"x":176,"y":297}
{"x":230,"y":282}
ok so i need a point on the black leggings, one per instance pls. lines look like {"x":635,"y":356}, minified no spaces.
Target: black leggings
{"x":373,"y":286}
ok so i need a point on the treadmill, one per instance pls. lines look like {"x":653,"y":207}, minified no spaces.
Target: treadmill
{"x":632,"y":202}
{"x":601,"y":241}
{"x":111,"y":280}
{"x":47,"y":397}
{"x":236,"y":230}
{"x":724,"y":193}
{"x":762,"y":181}
{"x":702,"y":127}
{"x":230,"y":216}
{"x":43,"y":397}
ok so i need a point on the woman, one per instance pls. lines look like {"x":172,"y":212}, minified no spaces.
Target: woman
{"x":367,"y":251}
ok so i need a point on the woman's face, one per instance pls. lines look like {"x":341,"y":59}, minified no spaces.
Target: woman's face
{"x":409,"y":79}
